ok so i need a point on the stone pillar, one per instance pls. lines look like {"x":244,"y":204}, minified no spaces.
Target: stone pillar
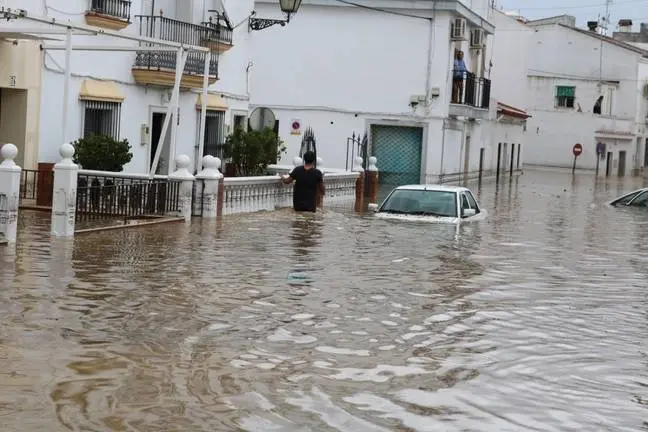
{"x":64,"y":194}
{"x":372,"y":180}
{"x":360,"y":183}
{"x":9,"y":193}
{"x":209,"y":185}
{"x":186,"y":179}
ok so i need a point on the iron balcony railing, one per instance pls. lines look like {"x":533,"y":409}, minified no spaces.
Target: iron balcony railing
{"x":159,"y":27}
{"x":469,"y":90}
{"x":218,"y":32}
{"x":114,"y":8}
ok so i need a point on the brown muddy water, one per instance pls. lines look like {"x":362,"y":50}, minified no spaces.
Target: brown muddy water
{"x":535,"y":319}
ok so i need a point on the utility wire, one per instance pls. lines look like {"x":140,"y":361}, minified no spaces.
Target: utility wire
{"x":350,"y":3}
{"x":589,"y":6}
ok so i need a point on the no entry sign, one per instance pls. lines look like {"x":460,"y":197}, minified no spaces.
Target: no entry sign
{"x":577,"y":150}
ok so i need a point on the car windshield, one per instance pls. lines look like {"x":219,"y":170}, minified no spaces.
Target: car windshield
{"x":625,"y":199}
{"x":421,"y":202}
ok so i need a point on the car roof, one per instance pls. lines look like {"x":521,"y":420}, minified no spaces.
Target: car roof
{"x":433,"y":187}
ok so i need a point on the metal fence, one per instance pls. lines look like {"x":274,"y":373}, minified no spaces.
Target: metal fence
{"x":115,"y":8}
{"x":467,"y":89}
{"x":159,"y":27}
{"x":219,"y":32}
{"x":357,"y":145}
{"x":99,"y":197}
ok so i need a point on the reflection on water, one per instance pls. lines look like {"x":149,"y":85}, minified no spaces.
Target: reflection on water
{"x":535,"y":319}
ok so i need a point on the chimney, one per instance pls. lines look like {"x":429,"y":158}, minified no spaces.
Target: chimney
{"x":625,"y":26}
{"x":592,"y":25}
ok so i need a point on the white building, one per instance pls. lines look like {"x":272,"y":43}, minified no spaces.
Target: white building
{"x":589,"y":89}
{"x":119,"y":92}
{"x":385,"y":69}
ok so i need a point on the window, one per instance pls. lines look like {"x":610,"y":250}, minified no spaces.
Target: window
{"x":421,"y":201}
{"x":464,"y":202}
{"x":565,"y":96}
{"x":640,"y":201}
{"x":239,"y":122}
{"x":101,"y":118}
{"x":214,"y":133}
{"x":472,"y":201}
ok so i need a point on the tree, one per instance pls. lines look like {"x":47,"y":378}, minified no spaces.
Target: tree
{"x":102,"y":153}
{"x":250,"y":152}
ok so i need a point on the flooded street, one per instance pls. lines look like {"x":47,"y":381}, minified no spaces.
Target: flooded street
{"x":535,"y":319}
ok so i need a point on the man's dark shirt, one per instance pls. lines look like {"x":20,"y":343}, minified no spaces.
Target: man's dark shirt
{"x":305,"y":190}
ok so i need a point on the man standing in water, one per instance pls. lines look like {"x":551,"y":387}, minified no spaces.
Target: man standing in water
{"x":308,"y":182}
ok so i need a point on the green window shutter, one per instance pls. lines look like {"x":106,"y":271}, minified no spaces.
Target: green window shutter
{"x":565,"y":91}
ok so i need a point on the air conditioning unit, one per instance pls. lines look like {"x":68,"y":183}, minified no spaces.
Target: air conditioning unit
{"x":477,"y":38}
{"x":458,"y":29}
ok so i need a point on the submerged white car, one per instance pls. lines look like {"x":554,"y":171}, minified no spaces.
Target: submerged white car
{"x":430,"y":203}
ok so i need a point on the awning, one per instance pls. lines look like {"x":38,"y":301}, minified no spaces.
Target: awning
{"x":215,"y":102}
{"x":511,"y":111}
{"x":102,"y":91}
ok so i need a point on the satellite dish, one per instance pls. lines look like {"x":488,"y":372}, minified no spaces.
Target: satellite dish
{"x":262,"y":118}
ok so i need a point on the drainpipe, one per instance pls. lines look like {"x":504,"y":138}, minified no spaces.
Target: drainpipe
{"x":430,"y":55}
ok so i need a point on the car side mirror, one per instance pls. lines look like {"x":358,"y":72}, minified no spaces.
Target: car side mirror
{"x":373,"y":207}
{"x":469,"y":212}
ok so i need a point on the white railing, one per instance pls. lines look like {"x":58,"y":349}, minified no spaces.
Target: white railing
{"x":252,"y":194}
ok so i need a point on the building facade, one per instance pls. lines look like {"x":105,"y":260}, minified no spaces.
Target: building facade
{"x":385,"y":70}
{"x":589,"y":89}
{"x":125,"y":93}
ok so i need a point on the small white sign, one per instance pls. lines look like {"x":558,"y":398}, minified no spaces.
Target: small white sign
{"x":295,"y":127}
{"x":12,"y":80}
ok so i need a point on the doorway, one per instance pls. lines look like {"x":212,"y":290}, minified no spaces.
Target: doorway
{"x":482,"y":152}
{"x":622,"y":163}
{"x":499,"y":159}
{"x":646,"y":153}
{"x":608,"y":164}
{"x":157,"y":121}
{"x":13,"y":120}
{"x":517,"y":165}
{"x":512,"y":159}
{"x":399,"y":150}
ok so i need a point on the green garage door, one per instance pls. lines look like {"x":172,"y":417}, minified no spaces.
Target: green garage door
{"x":398,"y":150}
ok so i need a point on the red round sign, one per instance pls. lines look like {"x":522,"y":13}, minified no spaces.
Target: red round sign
{"x":577,"y":150}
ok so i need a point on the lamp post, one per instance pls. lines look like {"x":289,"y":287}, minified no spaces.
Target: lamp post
{"x":288,"y":7}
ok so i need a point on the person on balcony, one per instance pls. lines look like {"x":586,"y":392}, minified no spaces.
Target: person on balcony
{"x":309,"y":184}
{"x":459,"y":75}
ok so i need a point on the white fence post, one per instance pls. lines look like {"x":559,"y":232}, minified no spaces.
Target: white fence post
{"x":9,"y":193}
{"x":211,"y":178}
{"x":186,"y":180}
{"x":65,"y":193}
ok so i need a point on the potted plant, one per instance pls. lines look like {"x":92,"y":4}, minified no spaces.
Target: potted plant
{"x":250,"y":152}
{"x":102,"y":153}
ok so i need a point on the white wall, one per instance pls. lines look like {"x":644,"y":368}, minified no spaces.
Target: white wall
{"x":116,"y":66}
{"x":561,"y":52}
{"x":509,"y":55}
{"x":564,"y":57}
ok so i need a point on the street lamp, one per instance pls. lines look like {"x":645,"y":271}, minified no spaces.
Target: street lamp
{"x":288,"y":7}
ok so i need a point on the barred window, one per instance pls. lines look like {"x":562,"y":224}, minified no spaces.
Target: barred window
{"x":214,"y":133}
{"x":101,"y":118}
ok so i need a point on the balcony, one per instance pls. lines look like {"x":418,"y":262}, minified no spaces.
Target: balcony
{"x":219,"y":38}
{"x":109,"y":14}
{"x":470,"y":95}
{"x":157,"y":68}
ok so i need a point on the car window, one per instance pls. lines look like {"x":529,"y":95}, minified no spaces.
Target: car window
{"x":464,"y":202}
{"x":421,"y":201}
{"x":641,"y":200}
{"x":626,"y":198}
{"x":472,"y":201}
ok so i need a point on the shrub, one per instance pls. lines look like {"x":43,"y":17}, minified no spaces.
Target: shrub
{"x":102,"y":153}
{"x":250,"y":152}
